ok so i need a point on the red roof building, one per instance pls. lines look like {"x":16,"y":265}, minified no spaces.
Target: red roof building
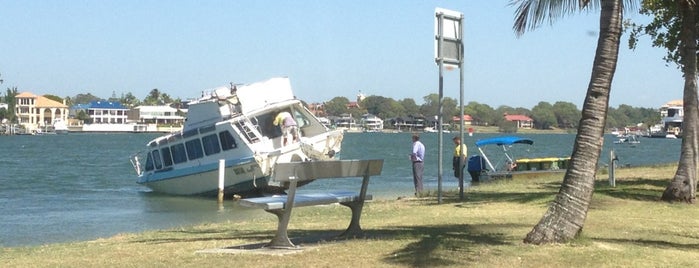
{"x":522,"y":121}
{"x":467,"y":119}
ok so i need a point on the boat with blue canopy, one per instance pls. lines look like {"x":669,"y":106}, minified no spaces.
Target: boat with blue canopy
{"x":506,"y":164}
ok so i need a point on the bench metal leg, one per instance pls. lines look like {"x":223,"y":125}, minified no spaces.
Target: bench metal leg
{"x":281,"y":238}
{"x":354,"y":229}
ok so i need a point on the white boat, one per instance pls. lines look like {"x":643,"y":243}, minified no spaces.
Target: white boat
{"x":234,"y":124}
{"x":628,"y":139}
{"x":60,"y":126}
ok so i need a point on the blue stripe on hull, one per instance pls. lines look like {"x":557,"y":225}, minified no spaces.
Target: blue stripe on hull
{"x":204,"y":179}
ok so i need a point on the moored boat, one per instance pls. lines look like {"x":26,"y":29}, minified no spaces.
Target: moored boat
{"x":234,"y":124}
{"x":60,"y":126}
{"x":627,"y":139}
{"x":506,"y":165}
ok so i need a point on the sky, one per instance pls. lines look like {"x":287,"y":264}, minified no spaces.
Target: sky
{"x":328,"y":48}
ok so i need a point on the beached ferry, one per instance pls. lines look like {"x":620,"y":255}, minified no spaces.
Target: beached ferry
{"x":235,"y":124}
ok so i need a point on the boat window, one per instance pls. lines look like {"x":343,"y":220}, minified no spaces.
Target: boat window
{"x":179,"y":155}
{"x":301,"y":119}
{"x":203,"y":130}
{"x":189,"y":133}
{"x":210,"y":143}
{"x":156,"y":159}
{"x":194,"y":150}
{"x":167,"y":158}
{"x":227,"y":140}
{"x":149,"y":163}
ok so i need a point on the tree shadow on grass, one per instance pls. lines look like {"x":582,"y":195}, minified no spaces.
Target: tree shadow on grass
{"x":428,"y":241}
{"x":636,"y":189}
{"x":545,"y":194}
{"x":446,"y":239}
{"x":650,"y":243}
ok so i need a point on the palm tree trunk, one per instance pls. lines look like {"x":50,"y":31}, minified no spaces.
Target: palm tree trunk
{"x":566,"y":215}
{"x":683,"y":186}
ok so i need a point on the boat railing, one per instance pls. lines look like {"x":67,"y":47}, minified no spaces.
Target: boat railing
{"x":136,"y":163}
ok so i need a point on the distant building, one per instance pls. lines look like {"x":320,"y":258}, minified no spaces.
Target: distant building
{"x":522,"y":121}
{"x":352,"y":104}
{"x":346,"y":121}
{"x":318,"y":109}
{"x":672,"y":116}
{"x":468,"y":120}
{"x":161,"y":114}
{"x":35,"y":111}
{"x":107,"y":112}
{"x":408,"y":123}
{"x":371,"y":122}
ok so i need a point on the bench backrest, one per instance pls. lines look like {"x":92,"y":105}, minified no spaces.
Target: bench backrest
{"x":327,"y":169}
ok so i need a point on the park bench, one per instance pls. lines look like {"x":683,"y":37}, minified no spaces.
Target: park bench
{"x":296,"y":172}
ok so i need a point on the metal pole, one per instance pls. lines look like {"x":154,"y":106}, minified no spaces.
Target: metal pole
{"x":612,"y":161}
{"x":461,"y":104}
{"x":221,"y":179}
{"x":441,"y":93}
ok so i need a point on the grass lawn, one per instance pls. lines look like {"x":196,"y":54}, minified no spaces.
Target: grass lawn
{"x":626,"y":226}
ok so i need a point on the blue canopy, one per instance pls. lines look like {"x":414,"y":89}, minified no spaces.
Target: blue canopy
{"x":507,"y":140}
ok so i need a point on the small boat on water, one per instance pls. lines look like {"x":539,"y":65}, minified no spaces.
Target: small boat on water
{"x":506,"y":165}
{"x":235,"y":124}
{"x":628,"y":139}
{"x":60,"y":126}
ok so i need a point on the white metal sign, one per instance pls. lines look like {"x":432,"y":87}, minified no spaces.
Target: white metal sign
{"x":447,"y":41}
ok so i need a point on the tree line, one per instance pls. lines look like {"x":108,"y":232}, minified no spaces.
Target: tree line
{"x":564,"y":115}
{"x":560,"y":114}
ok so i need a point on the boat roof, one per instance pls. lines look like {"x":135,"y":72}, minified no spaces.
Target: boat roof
{"x":506,"y":140}
{"x":259,"y":95}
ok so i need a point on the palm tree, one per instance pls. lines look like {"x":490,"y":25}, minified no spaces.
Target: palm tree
{"x":684,"y":184}
{"x":566,"y":215}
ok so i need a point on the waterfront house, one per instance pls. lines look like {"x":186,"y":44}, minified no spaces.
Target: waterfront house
{"x":521,"y":121}
{"x":468,"y":120}
{"x":672,"y":115}
{"x":408,"y":123}
{"x":371,"y":123}
{"x":160,"y":114}
{"x":346,"y":121}
{"x":34,"y":112}
{"x":106,"y":112}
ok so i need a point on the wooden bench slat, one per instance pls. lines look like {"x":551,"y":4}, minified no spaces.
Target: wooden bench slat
{"x":326,"y":169}
{"x":302,"y":200}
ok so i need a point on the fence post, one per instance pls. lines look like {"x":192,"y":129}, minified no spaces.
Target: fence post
{"x":612,"y":164}
{"x":221,"y":178}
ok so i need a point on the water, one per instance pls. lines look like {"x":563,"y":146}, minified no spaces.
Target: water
{"x":61,"y":188}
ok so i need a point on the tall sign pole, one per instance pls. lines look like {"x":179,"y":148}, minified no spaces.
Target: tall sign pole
{"x":449,"y":55}
{"x":461,"y":105}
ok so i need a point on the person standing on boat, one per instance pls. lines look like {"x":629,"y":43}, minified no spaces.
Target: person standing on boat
{"x":459,"y":159}
{"x":288,"y":125}
{"x":417,"y":157}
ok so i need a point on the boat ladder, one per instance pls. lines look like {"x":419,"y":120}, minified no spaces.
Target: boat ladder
{"x":246,"y":128}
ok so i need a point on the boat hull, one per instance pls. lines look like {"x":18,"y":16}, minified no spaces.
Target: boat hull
{"x":239,"y":178}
